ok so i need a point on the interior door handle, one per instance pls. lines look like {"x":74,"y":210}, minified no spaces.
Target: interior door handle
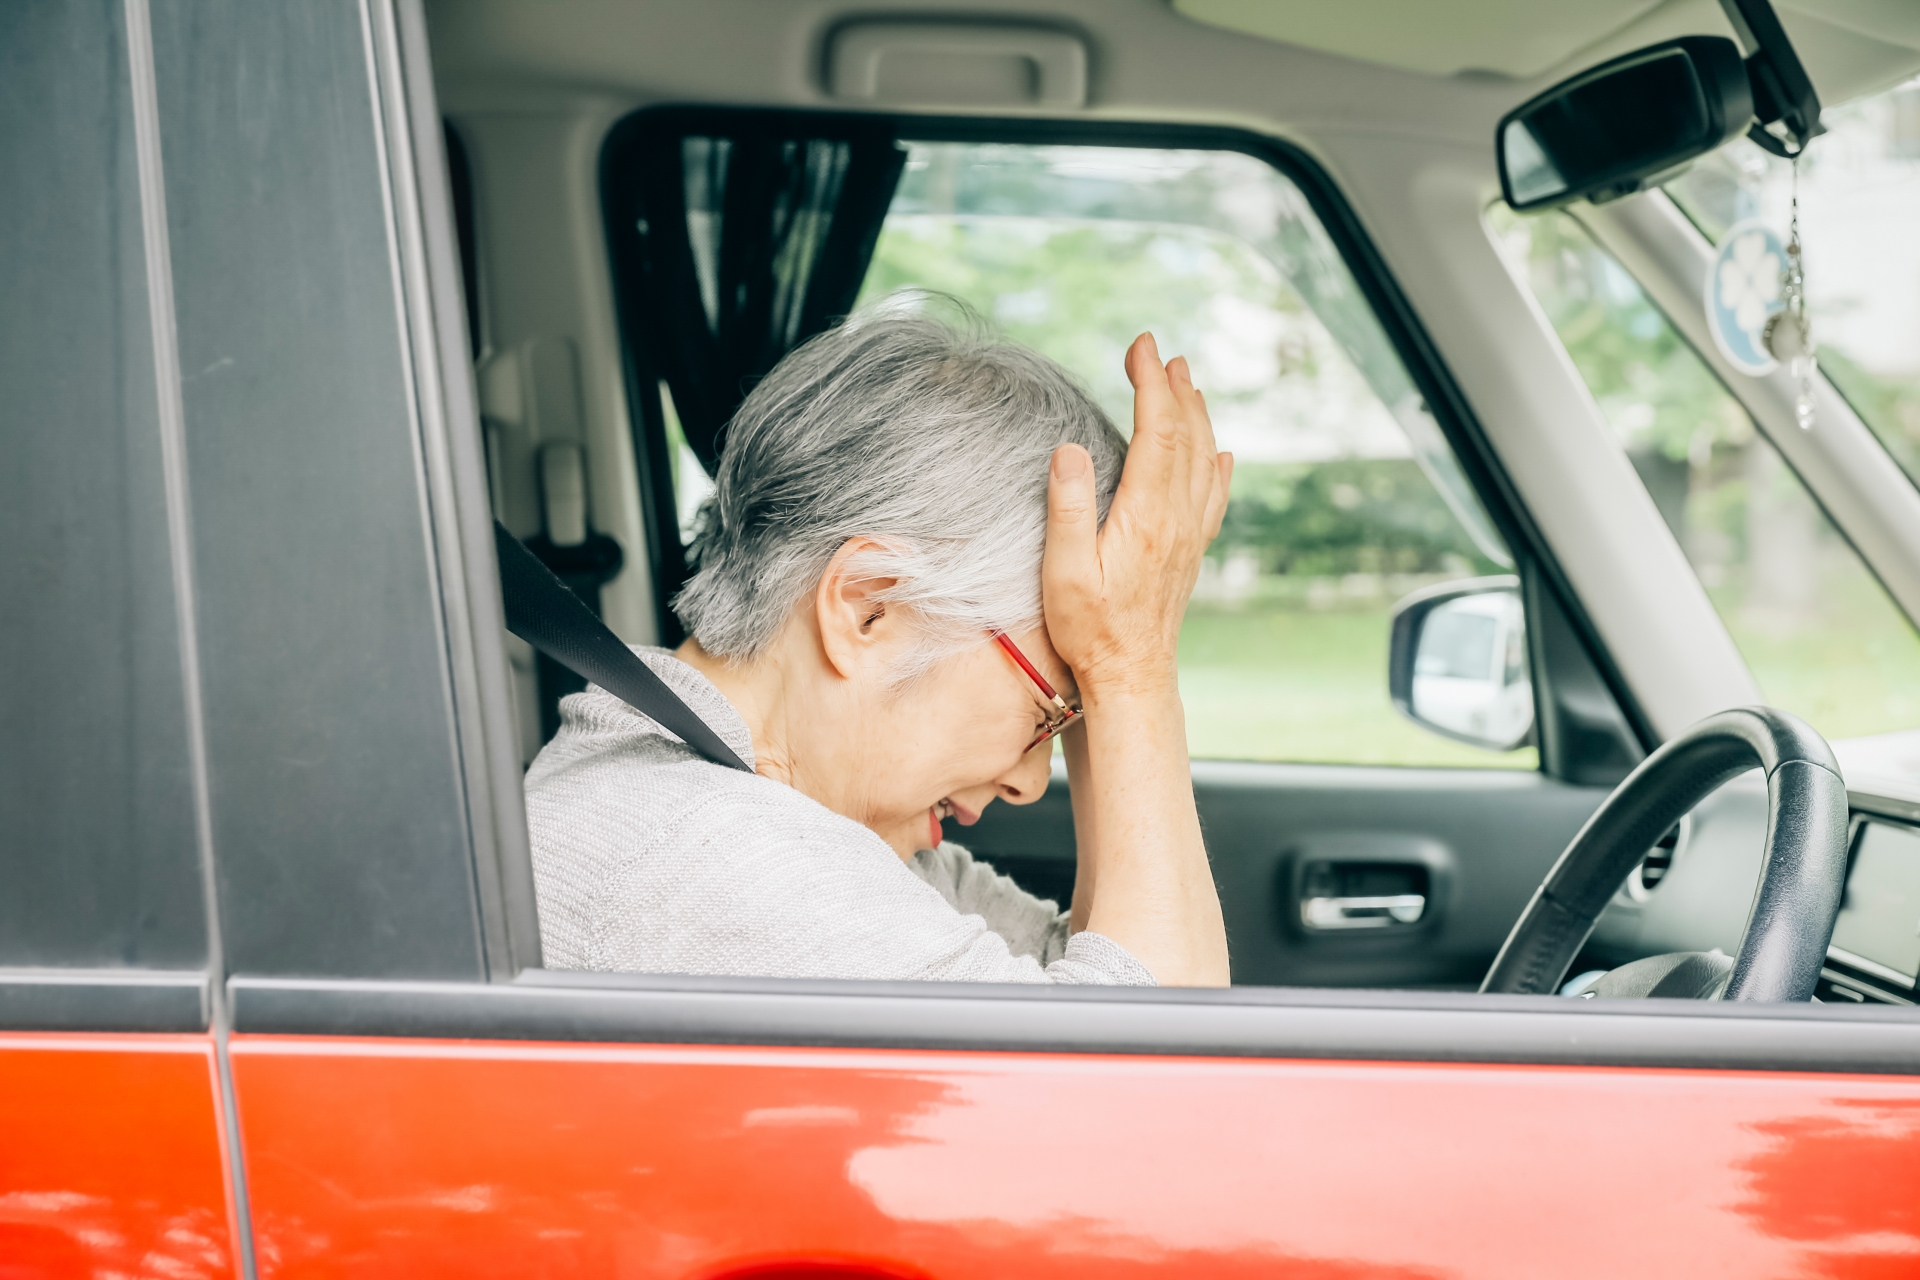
{"x":1382,"y":912}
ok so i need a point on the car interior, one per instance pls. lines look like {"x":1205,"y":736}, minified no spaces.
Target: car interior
{"x":1504,"y":521}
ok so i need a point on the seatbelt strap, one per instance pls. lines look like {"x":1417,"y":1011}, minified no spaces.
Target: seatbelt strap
{"x":548,"y":616}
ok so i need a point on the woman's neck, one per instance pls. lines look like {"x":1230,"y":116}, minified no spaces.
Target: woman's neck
{"x":777,"y":704}
{"x":804,"y":717}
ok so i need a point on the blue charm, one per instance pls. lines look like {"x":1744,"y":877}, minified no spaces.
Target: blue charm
{"x":1744,"y":290}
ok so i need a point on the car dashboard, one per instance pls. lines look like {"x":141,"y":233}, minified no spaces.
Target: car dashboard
{"x":1695,"y":893}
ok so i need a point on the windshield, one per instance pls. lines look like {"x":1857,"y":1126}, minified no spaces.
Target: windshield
{"x":1818,"y":631}
{"x":1860,"y":224}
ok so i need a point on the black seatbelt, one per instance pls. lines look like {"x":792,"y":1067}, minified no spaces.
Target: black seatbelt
{"x":541,"y":611}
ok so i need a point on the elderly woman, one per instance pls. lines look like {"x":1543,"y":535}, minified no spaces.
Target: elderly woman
{"x":928,"y":553}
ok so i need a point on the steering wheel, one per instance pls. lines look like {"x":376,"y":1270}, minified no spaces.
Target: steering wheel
{"x":1802,"y":875}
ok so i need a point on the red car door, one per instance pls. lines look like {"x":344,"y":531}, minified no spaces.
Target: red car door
{"x":115,"y":1155}
{"x":1251,"y":1133}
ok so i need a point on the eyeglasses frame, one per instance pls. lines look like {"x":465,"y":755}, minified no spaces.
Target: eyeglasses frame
{"x":1064,"y":714}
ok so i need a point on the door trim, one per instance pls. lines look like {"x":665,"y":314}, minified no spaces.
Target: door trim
{"x":137,"y":1000}
{"x":1399,"y":1026}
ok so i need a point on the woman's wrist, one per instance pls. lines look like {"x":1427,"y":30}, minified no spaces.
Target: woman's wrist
{"x":1134,"y":691}
{"x":1131,"y":724}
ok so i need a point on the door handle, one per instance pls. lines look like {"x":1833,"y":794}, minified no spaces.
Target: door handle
{"x":1379,"y":912}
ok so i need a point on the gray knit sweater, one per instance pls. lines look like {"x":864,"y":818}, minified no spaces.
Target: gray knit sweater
{"x":650,"y":859}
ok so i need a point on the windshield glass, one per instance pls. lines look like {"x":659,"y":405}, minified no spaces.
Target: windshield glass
{"x":1860,"y":225}
{"x":1819,"y":632}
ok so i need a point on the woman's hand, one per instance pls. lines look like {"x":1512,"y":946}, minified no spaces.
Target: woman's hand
{"x":1115,"y":595}
{"x":1114,"y":598}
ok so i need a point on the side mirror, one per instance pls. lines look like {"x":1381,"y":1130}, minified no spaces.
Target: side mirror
{"x":1624,"y":125}
{"x":1458,"y":662}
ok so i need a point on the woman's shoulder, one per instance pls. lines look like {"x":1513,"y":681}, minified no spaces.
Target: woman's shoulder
{"x":661,"y":792}
{"x":611,"y":765}
{"x":596,"y":726}
{"x":643,"y":849}
{"x":615,"y":792}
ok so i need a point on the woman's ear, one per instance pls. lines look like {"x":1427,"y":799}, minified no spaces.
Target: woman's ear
{"x":858,"y":630}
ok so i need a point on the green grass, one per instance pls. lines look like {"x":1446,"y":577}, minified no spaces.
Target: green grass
{"x":1288,"y":684}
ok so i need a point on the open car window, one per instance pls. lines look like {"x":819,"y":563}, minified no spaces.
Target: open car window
{"x":1346,"y":496}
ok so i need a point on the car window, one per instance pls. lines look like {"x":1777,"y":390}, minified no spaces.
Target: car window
{"x":1859,"y":205}
{"x":1817,"y":629}
{"x":1345,"y":495}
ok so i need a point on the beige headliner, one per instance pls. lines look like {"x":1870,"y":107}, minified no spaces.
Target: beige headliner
{"x":1370,"y":64}
{"x":1520,"y":39}
{"x":1511,"y":38}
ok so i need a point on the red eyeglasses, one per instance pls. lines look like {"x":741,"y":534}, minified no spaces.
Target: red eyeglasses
{"x":1063,"y":715}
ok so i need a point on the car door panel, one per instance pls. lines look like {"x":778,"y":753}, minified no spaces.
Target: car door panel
{"x":596,"y":1159}
{"x":112,"y":1157}
{"x":1483,"y":839}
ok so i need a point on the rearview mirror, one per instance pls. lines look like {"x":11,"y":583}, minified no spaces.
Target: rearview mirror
{"x":1457,"y":663}
{"x":1624,"y":125}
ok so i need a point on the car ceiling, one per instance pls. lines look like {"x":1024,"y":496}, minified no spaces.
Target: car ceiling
{"x":1513,"y":39}
{"x":1521,"y":39}
{"x":1429,"y":67}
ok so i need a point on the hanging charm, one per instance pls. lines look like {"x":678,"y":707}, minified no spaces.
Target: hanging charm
{"x":1788,"y":336}
{"x":1745,"y":292}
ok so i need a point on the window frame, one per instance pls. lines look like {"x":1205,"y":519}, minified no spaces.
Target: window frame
{"x":1249,"y":1022}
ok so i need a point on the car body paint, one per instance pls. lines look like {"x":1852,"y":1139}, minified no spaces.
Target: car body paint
{"x":113,"y":1158}
{"x":409,"y":1156}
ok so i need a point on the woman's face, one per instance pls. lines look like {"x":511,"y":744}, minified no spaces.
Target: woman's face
{"x":955,"y":741}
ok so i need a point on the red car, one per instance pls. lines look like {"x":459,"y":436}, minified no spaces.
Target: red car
{"x":1536,"y":492}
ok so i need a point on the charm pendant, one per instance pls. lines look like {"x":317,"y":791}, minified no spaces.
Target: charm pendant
{"x":1756,"y":305}
{"x":1788,"y":335}
{"x":1785,"y":336}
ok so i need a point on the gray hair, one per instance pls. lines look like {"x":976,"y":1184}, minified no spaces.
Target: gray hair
{"x":930,"y":436}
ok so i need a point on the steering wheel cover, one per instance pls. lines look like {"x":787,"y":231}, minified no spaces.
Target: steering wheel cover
{"x":1802,"y":875}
